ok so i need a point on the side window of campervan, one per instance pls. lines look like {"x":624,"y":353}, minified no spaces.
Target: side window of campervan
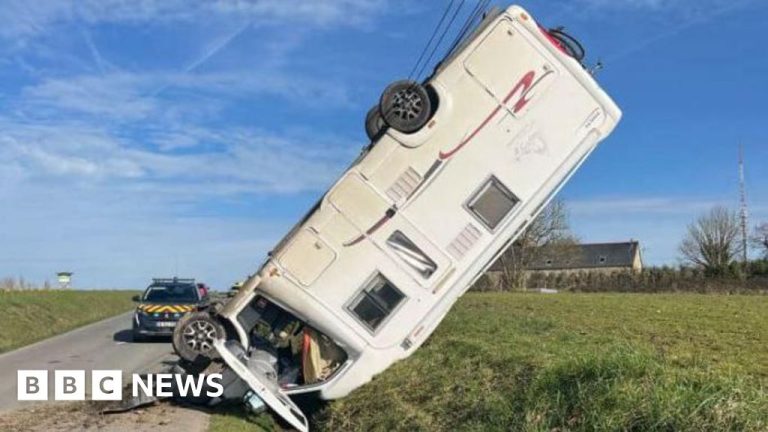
{"x":491,"y":203}
{"x":411,"y":255}
{"x":378,"y":299}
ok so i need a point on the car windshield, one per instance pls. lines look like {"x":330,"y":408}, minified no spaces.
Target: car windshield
{"x":167,"y":293}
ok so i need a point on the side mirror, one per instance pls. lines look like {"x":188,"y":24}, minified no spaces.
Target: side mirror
{"x":136,"y":298}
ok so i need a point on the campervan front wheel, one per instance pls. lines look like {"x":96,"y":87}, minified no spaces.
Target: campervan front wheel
{"x":194,"y":335}
{"x":405,"y":106}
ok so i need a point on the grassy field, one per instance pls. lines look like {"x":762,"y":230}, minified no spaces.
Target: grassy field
{"x":32,"y":315}
{"x":570,"y":362}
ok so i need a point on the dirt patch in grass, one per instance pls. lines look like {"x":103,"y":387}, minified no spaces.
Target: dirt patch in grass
{"x":86,"y":416}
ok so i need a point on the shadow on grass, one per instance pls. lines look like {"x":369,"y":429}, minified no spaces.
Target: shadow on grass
{"x":235,"y":417}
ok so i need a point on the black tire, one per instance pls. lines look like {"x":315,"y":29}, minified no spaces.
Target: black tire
{"x":194,"y":335}
{"x":374,"y":123}
{"x":405,"y":106}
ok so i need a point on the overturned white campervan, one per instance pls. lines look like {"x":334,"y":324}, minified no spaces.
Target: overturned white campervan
{"x":457,"y":168}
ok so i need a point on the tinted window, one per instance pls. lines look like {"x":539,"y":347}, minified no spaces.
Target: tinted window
{"x":492,"y":203}
{"x":375,"y":302}
{"x":369,"y":312}
{"x":179,"y":293}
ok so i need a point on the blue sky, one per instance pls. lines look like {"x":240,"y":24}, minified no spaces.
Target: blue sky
{"x":155,"y":137}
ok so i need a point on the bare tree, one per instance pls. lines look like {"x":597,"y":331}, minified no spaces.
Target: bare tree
{"x":712,"y":241}
{"x":7,"y":284}
{"x":760,"y":238}
{"x":549,"y":232}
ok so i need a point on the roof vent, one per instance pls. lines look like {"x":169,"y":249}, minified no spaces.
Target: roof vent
{"x":404,"y":185}
{"x":464,"y":242}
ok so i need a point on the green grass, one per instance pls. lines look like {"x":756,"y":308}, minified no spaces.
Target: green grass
{"x":33,"y":315}
{"x":236,"y":419}
{"x":572,"y":362}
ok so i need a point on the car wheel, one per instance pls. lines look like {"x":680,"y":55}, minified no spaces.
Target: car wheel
{"x":374,"y":123}
{"x":194,"y":335}
{"x":405,"y":106}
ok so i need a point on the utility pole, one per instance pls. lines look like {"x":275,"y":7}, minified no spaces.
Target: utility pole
{"x":743,"y":207}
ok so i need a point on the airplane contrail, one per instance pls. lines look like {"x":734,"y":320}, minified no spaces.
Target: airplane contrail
{"x":677,"y":29}
{"x":207,"y":55}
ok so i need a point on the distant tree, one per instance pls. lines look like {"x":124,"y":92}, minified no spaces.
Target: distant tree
{"x":7,"y":283}
{"x":549,"y":232}
{"x":760,"y":238}
{"x":712,"y":242}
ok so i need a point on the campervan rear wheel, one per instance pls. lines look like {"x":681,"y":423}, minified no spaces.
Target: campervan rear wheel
{"x":405,"y":106}
{"x":374,"y":123}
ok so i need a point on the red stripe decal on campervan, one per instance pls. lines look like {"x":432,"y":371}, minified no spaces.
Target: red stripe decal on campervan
{"x":522,"y":86}
{"x":380,"y":223}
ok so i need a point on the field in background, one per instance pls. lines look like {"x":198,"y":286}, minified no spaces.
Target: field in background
{"x":534,"y":362}
{"x":33,"y":315}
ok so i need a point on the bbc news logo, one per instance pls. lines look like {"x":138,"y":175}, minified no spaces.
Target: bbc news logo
{"x":107,"y":385}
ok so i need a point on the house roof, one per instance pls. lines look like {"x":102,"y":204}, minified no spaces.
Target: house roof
{"x":584,"y":256}
{"x":591,"y":255}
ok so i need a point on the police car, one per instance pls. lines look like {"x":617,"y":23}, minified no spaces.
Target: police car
{"x":162,"y":304}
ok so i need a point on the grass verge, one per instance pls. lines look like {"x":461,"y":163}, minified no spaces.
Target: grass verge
{"x":30,"y":316}
{"x":572,"y":362}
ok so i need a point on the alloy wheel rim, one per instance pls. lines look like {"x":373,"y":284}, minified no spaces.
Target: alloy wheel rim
{"x":199,"y":335}
{"x":407,"y":104}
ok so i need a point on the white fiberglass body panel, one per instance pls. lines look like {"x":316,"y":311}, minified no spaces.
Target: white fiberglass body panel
{"x":408,"y":228}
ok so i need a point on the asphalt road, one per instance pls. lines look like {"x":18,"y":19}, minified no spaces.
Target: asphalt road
{"x":103,"y":345}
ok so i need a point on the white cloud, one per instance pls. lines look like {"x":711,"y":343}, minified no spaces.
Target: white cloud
{"x":114,"y":95}
{"x":238,"y":160}
{"x":663,"y":19}
{"x":134,"y":96}
{"x":640,"y":205}
{"x":189,"y":137}
{"x":20,"y":18}
{"x":640,"y":4}
{"x":664,"y":5}
{"x":113,"y":239}
{"x":114,"y":163}
{"x":117,"y":212}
